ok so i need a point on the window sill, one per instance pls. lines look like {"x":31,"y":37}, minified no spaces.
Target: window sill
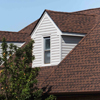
{"x":46,"y":65}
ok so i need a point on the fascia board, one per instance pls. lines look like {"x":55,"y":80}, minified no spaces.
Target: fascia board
{"x":73,"y":34}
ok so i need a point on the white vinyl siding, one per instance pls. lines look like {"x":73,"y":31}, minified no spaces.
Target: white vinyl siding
{"x":67,"y":44}
{"x":46,"y":29}
{"x":37,"y":50}
{"x":55,"y":49}
{"x":18,"y":44}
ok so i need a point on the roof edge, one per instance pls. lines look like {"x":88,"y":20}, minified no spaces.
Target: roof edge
{"x":87,"y":10}
{"x":70,"y":93}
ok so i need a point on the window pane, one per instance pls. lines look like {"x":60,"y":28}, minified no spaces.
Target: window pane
{"x":47,"y":44}
{"x":47,"y":57}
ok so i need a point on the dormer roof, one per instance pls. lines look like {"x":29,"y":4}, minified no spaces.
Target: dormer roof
{"x":70,"y":22}
{"x":67,"y":22}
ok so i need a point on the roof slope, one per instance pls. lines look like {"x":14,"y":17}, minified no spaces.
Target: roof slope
{"x":28,"y":29}
{"x":69,"y":22}
{"x":13,"y":36}
{"x":80,"y":70}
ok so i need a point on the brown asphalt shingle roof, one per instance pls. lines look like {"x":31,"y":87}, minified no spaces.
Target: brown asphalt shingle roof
{"x":44,"y":73}
{"x":18,"y":36}
{"x":13,"y":36}
{"x":80,"y":70}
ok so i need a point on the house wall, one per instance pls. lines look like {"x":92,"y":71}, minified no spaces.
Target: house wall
{"x":46,"y":28}
{"x":19,"y":44}
{"x":67,"y":44}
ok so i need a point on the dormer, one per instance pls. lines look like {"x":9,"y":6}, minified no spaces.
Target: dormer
{"x":55,"y":35}
{"x":47,"y":46}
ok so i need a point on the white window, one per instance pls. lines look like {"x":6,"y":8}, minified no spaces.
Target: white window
{"x":46,"y":50}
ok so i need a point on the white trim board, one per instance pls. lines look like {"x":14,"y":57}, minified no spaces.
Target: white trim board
{"x":74,"y":34}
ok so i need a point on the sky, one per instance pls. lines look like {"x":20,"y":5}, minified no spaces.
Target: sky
{"x":17,"y":14}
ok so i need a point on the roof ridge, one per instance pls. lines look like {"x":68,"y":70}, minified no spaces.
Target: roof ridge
{"x":12,"y":32}
{"x":8,"y":31}
{"x":71,"y":13}
{"x":87,"y":10}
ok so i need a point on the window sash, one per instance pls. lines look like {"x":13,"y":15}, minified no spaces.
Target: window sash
{"x":47,"y":44}
{"x":47,"y":57}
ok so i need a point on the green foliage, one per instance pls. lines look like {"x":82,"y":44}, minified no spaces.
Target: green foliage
{"x":17,"y":79}
{"x":51,"y":97}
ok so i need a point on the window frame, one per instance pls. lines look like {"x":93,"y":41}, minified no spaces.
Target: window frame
{"x":44,"y":50}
